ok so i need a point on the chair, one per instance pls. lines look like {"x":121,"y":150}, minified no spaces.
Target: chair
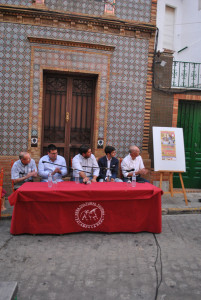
{"x":120,"y":170}
{"x":1,"y":188}
{"x":12,"y":182}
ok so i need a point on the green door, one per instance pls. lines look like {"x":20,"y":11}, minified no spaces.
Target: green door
{"x":189,"y":118}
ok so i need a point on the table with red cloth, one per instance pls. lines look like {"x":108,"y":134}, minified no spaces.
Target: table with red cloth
{"x":70,"y":207}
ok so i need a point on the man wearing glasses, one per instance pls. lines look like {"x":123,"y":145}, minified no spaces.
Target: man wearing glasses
{"x":52,"y":163}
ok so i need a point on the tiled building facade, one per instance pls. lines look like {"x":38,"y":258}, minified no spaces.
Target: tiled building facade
{"x":76,"y":37}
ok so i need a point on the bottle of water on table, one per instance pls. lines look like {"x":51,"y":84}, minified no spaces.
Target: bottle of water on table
{"x":133,"y":179}
{"x":49,"y":180}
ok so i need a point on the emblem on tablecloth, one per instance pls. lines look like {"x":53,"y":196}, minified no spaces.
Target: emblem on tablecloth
{"x":89,"y":215}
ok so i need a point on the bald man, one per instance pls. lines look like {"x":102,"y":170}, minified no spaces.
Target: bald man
{"x":133,"y":161}
{"x":23,"y":170}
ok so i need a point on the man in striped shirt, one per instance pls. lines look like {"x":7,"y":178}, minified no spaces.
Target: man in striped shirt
{"x":85,"y":165}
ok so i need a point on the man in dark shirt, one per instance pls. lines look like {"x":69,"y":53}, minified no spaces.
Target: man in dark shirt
{"x":109,"y":166}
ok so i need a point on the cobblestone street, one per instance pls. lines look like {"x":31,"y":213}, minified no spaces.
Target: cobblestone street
{"x":106,"y":266}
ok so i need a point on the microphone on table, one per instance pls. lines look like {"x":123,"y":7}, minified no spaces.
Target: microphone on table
{"x":47,"y":162}
{"x":131,"y":170}
{"x":87,"y":182}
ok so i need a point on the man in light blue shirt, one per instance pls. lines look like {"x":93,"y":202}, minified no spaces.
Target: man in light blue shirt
{"x":52,"y":163}
{"x":23,"y":170}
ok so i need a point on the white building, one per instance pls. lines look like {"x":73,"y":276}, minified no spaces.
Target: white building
{"x":179,"y":24}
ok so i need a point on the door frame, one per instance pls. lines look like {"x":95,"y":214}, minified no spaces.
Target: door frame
{"x":177,"y":98}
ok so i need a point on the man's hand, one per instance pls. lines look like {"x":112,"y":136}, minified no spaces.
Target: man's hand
{"x":112,"y":179}
{"x":32,"y":174}
{"x":57,"y":170}
{"x":142,"y":172}
{"x":94,"y":179}
{"x":85,"y":179}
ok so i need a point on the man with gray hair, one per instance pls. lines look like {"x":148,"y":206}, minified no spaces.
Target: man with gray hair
{"x":133,"y":162}
{"x":23,"y":170}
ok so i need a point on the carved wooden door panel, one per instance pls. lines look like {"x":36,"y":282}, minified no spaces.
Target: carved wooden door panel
{"x":82,"y":113}
{"x":54,"y":113}
{"x":68,"y":113}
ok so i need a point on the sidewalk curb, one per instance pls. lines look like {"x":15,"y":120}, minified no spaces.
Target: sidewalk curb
{"x":5,"y":216}
{"x":180,"y":211}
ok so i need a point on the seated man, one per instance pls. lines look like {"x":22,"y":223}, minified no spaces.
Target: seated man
{"x":133,"y":162}
{"x":23,"y":170}
{"x":52,"y":163}
{"x":108,"y":166}
{"x":85,"y":165}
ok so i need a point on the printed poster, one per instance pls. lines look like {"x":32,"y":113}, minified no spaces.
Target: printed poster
{"x":168,"y":145}
{"x":169,"y":152}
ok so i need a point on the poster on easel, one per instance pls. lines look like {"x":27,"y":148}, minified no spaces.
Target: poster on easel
{"x":169,"y":154}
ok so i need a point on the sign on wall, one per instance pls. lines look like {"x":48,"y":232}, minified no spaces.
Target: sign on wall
{"x":168,"y":143}
{"x":110,"y":7}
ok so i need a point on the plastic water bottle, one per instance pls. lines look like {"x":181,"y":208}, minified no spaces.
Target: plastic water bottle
{"x":108,"y":178}
{"x":77,"y":179}
{"x":49,"y":180}
{"x":133,"y":179}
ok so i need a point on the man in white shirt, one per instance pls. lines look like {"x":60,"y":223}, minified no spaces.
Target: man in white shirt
{"x":133,"y":162}
{"x":85,"y":165}
{"x":52,"y":163}
{"x":23,"y":170}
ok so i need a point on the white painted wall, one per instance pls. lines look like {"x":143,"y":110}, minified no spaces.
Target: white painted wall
{"x":187,"y":28}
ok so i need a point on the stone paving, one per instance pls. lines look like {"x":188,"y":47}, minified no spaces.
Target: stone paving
{"x":96,"y":266}
{"x":100,"y":266}
{"x":176,"y":204}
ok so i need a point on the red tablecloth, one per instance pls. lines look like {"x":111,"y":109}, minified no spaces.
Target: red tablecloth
{"x":71,"y":207}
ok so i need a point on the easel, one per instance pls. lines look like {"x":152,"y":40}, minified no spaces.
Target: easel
{"x":171,"y":183}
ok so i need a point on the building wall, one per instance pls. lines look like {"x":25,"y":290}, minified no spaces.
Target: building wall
{"x":127,"y":80}
{"x":120,"y":54}
{"x":137,"y":10}
{"x":187,"y":29}
{"x":162,"y":98}
{"x":161,"y":115}
{"x":191,"y":32}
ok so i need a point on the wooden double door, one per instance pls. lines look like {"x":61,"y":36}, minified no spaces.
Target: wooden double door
{"x":68,"y":112}
{"x":189,"y":118}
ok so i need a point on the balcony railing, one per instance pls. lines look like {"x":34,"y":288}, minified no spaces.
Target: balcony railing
{"x":186,"y":75}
